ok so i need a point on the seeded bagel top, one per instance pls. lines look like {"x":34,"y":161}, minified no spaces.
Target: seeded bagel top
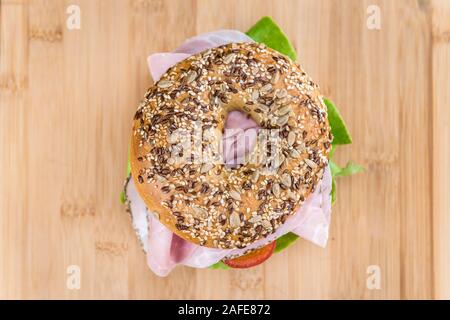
{"x":191,"y":190}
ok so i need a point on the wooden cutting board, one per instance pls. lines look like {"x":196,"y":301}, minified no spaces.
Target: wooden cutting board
{"x":68,"y":96}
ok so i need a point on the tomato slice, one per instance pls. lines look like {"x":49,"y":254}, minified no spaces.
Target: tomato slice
{"x":252,"y":259}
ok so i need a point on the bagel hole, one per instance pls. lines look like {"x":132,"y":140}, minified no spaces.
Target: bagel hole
{"x":238,"y":139}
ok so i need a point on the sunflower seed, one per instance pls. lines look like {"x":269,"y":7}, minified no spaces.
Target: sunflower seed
{"x":229,"y":58}
{"x":263,"y":108}
{"x":276,"y":162}
{"x":294,"y":153}
{"x":165,"y":84}
{"x":200,"y":212}
{"x":255,"y":177}
{"x":283,"y":110}
{"x":282,"y":93}
{"x":283,"y":120}
{"x":279,"y":160}
{"x":286,"y":180}
{"x":301,"y":147}
{"x":255,"y":219}
{"x":235,"y":195}
{"x":266,"y":88}
{"x":191,"y":76}
{"x":275,"y":77}
{"x":276,"y":190}
{"x":255,"y":95}
{"x":281,"y":101}
{"x":235,"y":221}
{"x":292,"y":122}
{"x":311,"y":163}
{"x":291,"y":138}
{"x":206,"y":167}
{"x":160,"y":179}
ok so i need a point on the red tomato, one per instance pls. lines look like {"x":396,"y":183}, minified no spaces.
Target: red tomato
{"x":253,"y":258}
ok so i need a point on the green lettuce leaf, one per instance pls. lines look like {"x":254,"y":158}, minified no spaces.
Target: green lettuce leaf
{"x":268,"y":32}
{"x":338,"y":128}
{"x":331,"y":154}
{"x":128,"y":166}
{"x":122,"y":194}
{"x":284,"y":241}
{"x":333,"y":190}
{"x":334,"y":168}
{"x":122,"y":197}
{"x":350,"y":169}
{"x":337,"y":171}
{"x":219,"y":265}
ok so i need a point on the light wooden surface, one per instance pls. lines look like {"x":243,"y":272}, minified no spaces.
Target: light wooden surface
{"x":67,"y":98}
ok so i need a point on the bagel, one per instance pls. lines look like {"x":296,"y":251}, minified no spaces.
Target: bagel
{"x":206,"y":201}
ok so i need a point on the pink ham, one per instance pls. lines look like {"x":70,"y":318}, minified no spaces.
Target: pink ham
{"x":160,"y":62}
{"x":166,"y":250}
{"x":210,"y":40}
{"x":239,"y":138}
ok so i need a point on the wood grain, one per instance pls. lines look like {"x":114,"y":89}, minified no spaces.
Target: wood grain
{"x":67,"y":98}
{"x":441,"y":150}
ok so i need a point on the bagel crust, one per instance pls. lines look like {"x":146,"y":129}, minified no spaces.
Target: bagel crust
{"x":205,"y":201}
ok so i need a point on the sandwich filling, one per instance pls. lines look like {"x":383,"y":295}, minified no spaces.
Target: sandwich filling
{"x":165,"y":249}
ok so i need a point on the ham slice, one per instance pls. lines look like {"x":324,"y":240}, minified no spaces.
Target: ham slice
{"x":160,"y":62}
{"x":213,"y":39}
{"x":239,"y":138}
{"x":164,"y":249}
